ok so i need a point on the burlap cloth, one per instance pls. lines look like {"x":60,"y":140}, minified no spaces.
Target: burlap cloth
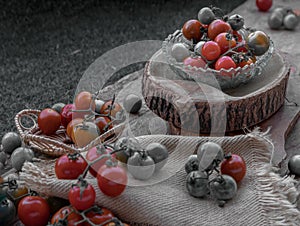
{"x":263,"y":197}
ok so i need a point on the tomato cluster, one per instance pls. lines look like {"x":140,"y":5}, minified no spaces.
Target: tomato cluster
{"x":32,"y":209}
{"x":219,"y":42}
{"x":83,"y":121}
{"x":283,"y":17}
{"x":141,"y":163}
{"x":200,"y":167}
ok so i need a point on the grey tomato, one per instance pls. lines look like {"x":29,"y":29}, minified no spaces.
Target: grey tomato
{"x":158,"y":153}
{"x":258,"y":42}
{"x":206,"y":15}
{"x":198,"y":48}
{"x":294,"y":165}
{"x":223,"y":187}
{"x":192,"y":164}
{"x":3,"y":157}
{"x":98,"y":105}
{"x":128,"y":145}
{"x":283,"y":10}
{"x":275,"y":20}
{"x":197,"y":184}
{"x":179,"y":51}
{"x":19,"y":156}
{"x":236,"y":21}
{"x":11,"y":141}
{"x":290,"y":21}
{"x":132,"y":103}
{"x":210,"y":156}
{"x":141,"y":166}
{"x":58,"y":107}
{"x":7,"y":211}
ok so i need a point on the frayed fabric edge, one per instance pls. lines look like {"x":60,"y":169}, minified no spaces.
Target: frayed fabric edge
{"x":278,"y":195}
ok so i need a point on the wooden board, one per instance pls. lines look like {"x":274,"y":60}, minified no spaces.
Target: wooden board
{"x":200,"y":109}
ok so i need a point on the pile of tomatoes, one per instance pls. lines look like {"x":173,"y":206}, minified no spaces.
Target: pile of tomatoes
{"x":283,"y":17}
{"x":83,"y":121}
{"x":219,"y":42}
{"x":141,"y":163}
{"x":32,"y":209}
{"x":201,"y":166}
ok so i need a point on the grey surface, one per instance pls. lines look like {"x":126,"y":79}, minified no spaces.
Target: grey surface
{"x":47,"y":45}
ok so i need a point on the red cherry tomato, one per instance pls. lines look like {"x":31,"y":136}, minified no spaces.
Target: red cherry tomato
{"x":84,"y":100}
{"x":195,"y":62}
{"x":49,"y":121}
{"x":69,"y":215}
{"x":93,"y":154}
{"x":238,"y":37}
{"x":216,"y":27}
{"x":99,"y":217}
{"x":102,"y":123}
{"x":67,"y":114}
{"x":69,"y":167}
{"x":112,"y":180}
{"x":191,"y":30}
{"x":33,"y":210}
{"x":226,"y":41}
{"x":264,"y":5}
{"x":211,"y":50}
{"x":82,"y":201}
{"x":115,"y":109}
{"x":234,"y":166}
{"x":225,"y":62}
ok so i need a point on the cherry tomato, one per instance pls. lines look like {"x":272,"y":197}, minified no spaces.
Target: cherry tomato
{"x":238,"y":37}
{"x":234,"y":166}
{"x":112,"y":180}
{"x":71,"y":126}
{"x":7,"y":211}
{"x":195,"y":62}
{"x":245,"y":62}
{"x":115,"y":109}
{"x":102,"y":123}
{"x":206,"y":15}
{"x":71,"y":219}
{"x":258,"y":42}
{"x":84,"y":133}
{"x":226,"y":41}
{"x":225,"y":62}
{"x":223,"y":187}
{"x":18,"y":193}
{"x":69,"y":166}
{"x":93,"y":154}
{"x":67,"y":114}
{"x":99,"y":216}
{"x":84,"y":100}
{"x":82,"y":200}
{"x":216,"y":27}
{"x":264,"y":5}
{"x":49,"y":121}
{"x":191,"y":30}
{"x":211,"y":50}
{"x":33,"y":210}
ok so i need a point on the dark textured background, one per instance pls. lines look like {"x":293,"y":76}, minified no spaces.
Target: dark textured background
{"x":47,"y":45}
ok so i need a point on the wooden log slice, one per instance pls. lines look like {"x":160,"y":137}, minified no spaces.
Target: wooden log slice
{"x":197,"y":108}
